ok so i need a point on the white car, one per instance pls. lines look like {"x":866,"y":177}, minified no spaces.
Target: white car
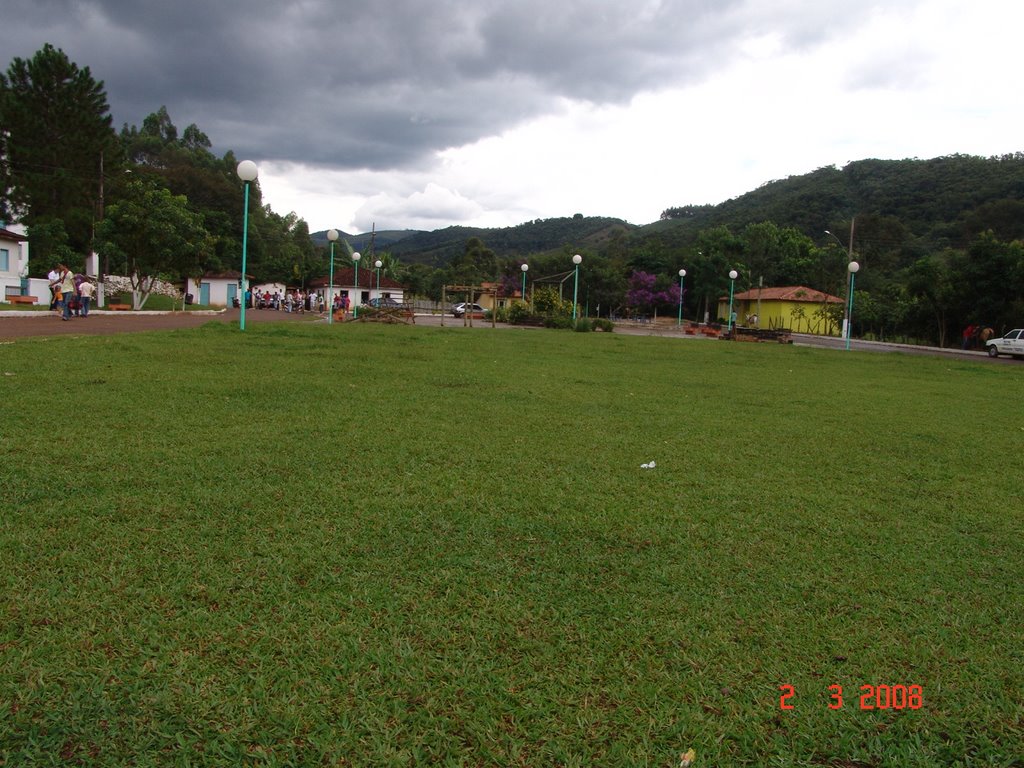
{"x":1010,"y":344}
{"x":460,"y":309}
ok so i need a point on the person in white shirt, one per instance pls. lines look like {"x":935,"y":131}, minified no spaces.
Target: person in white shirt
{"x":85,"y":293}
{"x":54,"y":278}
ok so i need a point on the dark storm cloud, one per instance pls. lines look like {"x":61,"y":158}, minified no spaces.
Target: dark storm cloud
{"x":373,"y":84}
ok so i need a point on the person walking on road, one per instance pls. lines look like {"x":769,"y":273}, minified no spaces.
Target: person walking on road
{"x":66,"y":290}
{"x":85,"y":293}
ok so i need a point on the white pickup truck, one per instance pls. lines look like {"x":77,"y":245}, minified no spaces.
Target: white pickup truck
{"x":1010,"y":344}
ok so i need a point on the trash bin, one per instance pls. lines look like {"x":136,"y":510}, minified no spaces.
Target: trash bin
{"x":188,"y":298}
{"x":235,"y":304}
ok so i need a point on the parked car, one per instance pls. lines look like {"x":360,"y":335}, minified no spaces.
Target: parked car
{"x":384,"y":302}
{"x":460,"y":309}
{"x":1011,"y":343}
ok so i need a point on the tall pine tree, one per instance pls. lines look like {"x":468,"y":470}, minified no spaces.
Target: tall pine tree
{"x":55,"y":146}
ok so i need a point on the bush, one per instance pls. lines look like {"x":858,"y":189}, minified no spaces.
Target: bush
{"x":603,"y":324}
{"x":517,"y":311}
{"x":558,"y":321}
{"x":583,"y":325}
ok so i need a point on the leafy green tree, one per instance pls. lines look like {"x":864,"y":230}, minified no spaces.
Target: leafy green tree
{"x":929,"y":283}
{"x":987,"y":283}
{"x":476,"y":264}
{"x":56,"y":137}
{"x":155,"y":235}
{"x":49,"y":243}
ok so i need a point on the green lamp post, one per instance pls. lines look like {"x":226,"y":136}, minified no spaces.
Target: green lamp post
{"x":355,"y":299}
{"x":733,"y":274}
{"x":682,"y":276}
{"x":247,"y":172}
{"x":332,"y":235}
{"x":575,"y":285}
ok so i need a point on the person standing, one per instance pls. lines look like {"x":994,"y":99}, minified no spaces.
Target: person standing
{"x":85,"y":293}
{"x":66,"y":287}
{"x":54,"y":278}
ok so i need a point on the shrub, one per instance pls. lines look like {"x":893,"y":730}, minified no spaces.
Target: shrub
{"x":603,"y":324}
{"x":558,"y":321}
{"x":517,"y":311}
{"x":583,"y":325}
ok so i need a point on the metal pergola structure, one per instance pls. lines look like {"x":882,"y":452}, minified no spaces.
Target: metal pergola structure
{"x":472,"y":291}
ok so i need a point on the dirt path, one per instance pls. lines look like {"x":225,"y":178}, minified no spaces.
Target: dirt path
{"x":16,"y":325}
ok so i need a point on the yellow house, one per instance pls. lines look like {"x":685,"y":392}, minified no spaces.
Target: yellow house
{"x":491,"y":294}
{"x":795,"y":308}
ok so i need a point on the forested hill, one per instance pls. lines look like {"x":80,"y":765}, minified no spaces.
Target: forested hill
{"x":438,"y":247}
{"x":943,"y":202}
{"x":938,"y":203}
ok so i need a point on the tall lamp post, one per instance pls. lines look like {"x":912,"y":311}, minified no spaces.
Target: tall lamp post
{"x":332,"y":235}
{"x":575,"y":285}
{"x":355,"y":299}
{"x":682,"y":277}
{"x":247,"y":172}
{"x":733,"y":274}
{"x":378,"y":264}
{"x":853,"y":267}
{"x":525,"y":268}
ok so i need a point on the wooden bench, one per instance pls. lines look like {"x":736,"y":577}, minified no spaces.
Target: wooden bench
{"x":119,"y":307}
{"x":22,"y":299}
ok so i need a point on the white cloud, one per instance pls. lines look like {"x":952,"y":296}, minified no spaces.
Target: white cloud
{"x":495,"y":113}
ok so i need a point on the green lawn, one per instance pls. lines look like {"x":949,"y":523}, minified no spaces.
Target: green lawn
{"x":361,"y":545}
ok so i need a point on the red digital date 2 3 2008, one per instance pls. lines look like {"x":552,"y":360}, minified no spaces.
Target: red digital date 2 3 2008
{"x":872,"y":697}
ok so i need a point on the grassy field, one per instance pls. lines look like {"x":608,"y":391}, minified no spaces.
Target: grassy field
{"x":357,"y":545}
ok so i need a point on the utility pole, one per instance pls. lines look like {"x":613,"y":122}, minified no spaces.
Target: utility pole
{"x":101,"y":271}
{"x":849,"y":259}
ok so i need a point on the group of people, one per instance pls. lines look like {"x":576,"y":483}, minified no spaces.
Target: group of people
{"x":294,"y":301}
{"x":974,"y":336}
{"x":70,"y":294}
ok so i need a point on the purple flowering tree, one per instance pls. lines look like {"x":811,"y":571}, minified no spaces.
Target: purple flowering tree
{"x":643,"y":295}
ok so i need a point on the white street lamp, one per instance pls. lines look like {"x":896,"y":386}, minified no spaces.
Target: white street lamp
{"x":577,"y":259}
{"x":355,"y":299}
{"x":733,"y":274}
{"x":332,"y":235}
{"x":247,"y":172}
{"x":853,"y":267}
{"x":525,"y":268}
{"x":682,"y":276}
{"x":378,"y":264}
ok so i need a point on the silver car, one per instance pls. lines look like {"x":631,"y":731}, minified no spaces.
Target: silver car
{"x":460,"y":309}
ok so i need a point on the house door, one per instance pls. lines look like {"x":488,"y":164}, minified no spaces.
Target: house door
{"x":204,"y":294}
{"x":232,"y":294}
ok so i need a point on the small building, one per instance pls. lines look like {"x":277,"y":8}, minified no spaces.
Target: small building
{"x":216,"y":289}
{"x":14,"y":265}
{"x":793,"y":308}
{"x":492,"y":292}
{"x":345,"y":284}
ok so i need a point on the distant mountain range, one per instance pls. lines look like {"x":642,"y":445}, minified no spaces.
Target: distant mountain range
{"x":436,"y":248}
{"x":942,"y":202}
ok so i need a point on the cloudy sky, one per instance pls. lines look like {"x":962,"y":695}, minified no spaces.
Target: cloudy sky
{"x":427,"y":113}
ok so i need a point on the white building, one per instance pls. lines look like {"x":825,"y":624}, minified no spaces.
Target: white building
{"x":14,"y":264}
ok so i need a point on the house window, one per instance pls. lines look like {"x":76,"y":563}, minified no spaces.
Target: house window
{"x":5,"y":260}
